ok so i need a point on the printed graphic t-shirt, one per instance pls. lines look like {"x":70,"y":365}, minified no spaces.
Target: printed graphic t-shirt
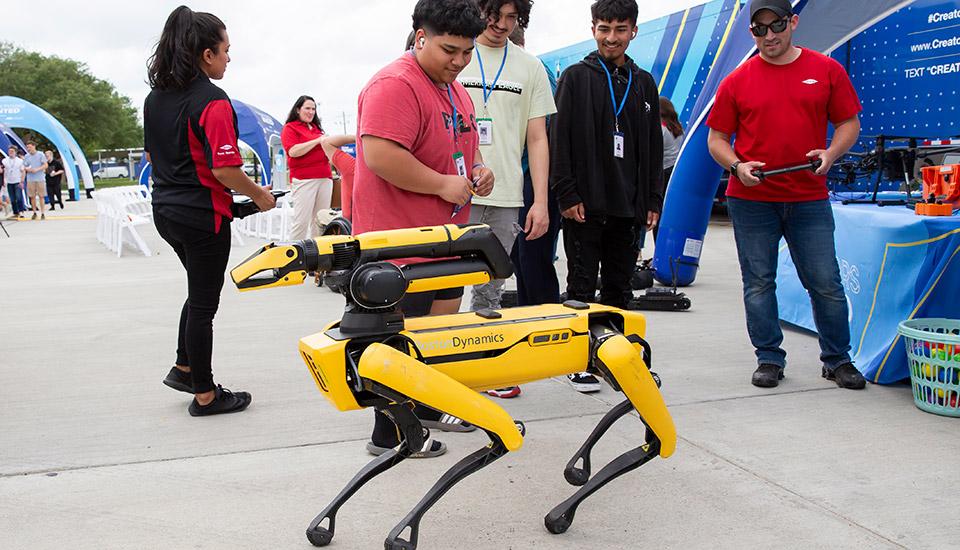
{"x":521,"y":93}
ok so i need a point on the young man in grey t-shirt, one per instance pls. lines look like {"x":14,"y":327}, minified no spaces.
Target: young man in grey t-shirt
{"x":35,"y":164}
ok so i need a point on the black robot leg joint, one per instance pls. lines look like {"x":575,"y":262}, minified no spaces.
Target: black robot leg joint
{"x":468,"y":465}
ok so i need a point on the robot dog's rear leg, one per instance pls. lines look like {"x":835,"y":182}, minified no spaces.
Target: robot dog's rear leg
{"x":468,"y":465}
{"x":413,"y":438}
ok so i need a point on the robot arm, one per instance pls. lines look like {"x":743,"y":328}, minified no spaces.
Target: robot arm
{"x":468,"y":254}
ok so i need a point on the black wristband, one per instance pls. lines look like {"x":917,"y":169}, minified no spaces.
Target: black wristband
{"x":734,"y":166}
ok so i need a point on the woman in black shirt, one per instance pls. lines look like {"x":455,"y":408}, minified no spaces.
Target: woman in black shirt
{"x":54,"y":175}
{"x":190,"y":136}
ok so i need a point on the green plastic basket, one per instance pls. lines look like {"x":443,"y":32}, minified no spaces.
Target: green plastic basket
{"x":933,"y":354}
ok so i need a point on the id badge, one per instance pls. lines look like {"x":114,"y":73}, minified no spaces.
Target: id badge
{"x":618,"y":145}
{"x":485,"y":129}
{"x":461,"y":164}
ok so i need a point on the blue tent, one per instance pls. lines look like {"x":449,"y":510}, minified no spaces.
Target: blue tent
{"x":9,"y":137}
{"x":260,"y":132}
{"x":19,"y":113}
{"x":696,"y":176}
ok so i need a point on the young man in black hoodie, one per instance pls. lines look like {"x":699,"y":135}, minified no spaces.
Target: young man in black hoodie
{"x":606,"y":161}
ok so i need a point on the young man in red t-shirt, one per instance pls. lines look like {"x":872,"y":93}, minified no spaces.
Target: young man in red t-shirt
{"x":418,"y":156}
{"x":778,"y":105}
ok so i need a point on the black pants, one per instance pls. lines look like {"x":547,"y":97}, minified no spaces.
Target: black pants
{"x":204,"y":255}
{"x":53,"y":193}
{"x":537,"y":281}
{"x":604,"y":245}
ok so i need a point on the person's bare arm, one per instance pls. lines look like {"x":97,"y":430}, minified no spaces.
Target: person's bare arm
{"x":845,"y":135}
{"x":538,"y":153}
{"x":330,"y":144}
{"x":720,"y":149}
{"x":389,"y":160}
{"x":301,"y":149}
{"x":232,"y":177}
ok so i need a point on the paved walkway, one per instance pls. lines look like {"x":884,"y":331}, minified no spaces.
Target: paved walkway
{"x":96,"y":453}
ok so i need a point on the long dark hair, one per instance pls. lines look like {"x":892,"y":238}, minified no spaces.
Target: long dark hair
{"x":668,"y":114}
{"x":295,"y":111}
{"x":176,"y":58}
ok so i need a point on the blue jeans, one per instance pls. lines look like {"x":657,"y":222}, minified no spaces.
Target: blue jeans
{"x":808,"y":229}
{"x":16,"y":197}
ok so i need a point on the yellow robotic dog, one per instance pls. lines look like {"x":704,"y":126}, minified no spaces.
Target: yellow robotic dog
{"x":372,"y":357}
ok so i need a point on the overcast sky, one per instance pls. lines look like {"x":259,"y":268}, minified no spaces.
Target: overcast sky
{"x":280,"y":49}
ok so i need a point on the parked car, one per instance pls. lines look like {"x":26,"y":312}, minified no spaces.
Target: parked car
{"x":114,"y":171}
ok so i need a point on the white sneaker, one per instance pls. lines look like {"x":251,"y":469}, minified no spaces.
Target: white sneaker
{"x":584,"y":382}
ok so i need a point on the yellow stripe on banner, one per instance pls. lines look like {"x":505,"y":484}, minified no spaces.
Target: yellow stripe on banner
{"x":673,"y":52}
{"x":883,"y":264}
{"x":914,"y":312}
{"x":726,"y":34}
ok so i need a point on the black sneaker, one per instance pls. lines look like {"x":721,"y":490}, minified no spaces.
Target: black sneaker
{"x":224,"y":401}
{"x":179,"y":380}
{"x":584,"y":382}
{"x":767,"y":376}
{"x":846,"y":376}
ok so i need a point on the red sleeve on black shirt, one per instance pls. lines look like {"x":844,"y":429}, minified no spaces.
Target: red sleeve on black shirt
{"x":219,"y":127}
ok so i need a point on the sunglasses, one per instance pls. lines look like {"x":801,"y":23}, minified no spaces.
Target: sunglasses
{"x":778,"y":26}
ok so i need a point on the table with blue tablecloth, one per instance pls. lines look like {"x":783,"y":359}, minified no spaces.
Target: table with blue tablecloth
{"x":895,"y":265}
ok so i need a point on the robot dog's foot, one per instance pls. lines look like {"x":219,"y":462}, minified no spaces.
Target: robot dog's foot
{"x":414,"y":436}
{"x":560,"y":518}
{"x":460,"y":470}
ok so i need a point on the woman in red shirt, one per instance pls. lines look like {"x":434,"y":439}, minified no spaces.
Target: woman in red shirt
{"x":311,"y":180}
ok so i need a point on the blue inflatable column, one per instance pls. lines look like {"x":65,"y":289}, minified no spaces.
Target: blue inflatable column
{"x":686,"y":212}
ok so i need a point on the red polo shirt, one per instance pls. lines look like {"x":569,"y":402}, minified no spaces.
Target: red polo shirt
{"x":312,"y":165}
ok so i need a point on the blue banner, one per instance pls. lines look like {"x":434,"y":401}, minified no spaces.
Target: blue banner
{"x":895,"y":266}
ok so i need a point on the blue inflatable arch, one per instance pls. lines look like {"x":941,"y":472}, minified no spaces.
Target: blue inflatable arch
{"x":7,"y":138}
{"x":20,"y":113}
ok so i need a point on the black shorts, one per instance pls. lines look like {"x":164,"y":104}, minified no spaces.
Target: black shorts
{"x":418,"y":304}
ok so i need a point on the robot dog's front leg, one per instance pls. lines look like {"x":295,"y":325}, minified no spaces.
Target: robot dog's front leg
{"x":414,"y":435}
{"x":617,"y":359}
{"x":394,"y":374}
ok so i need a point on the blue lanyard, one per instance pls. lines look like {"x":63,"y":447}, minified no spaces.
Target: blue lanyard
{"x":613,"y":96}
{"x":456,"y":134}
{"x":483,"y":77}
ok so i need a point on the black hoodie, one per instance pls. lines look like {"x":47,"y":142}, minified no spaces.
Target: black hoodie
{"x":582,"y":164}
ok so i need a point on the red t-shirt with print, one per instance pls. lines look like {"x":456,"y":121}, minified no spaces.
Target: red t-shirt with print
{"x":314,"y":164}
{"x":779,"y":113}
{"x":402,"y":104}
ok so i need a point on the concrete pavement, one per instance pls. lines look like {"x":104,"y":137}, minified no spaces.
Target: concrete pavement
{"x":96,"y":453}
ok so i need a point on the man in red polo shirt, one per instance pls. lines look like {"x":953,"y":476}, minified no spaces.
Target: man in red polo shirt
{"x":778,"y":105}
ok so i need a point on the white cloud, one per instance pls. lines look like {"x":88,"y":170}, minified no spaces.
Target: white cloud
{"x":281,"y":49}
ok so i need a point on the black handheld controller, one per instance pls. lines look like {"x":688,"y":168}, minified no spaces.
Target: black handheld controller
{"x":246,"y":207}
